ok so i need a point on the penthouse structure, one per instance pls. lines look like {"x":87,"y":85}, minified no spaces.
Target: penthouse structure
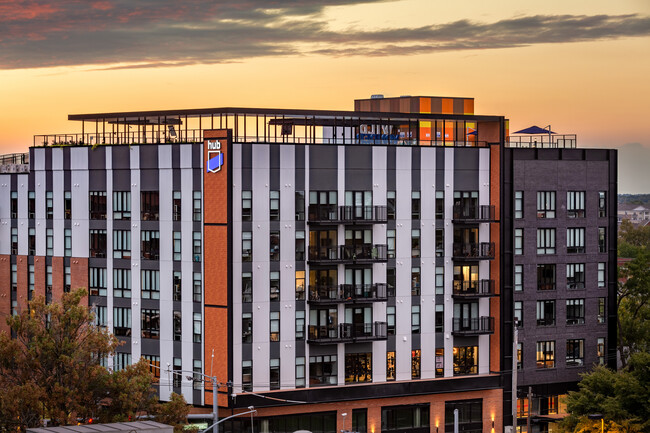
{"x":338,"y":270}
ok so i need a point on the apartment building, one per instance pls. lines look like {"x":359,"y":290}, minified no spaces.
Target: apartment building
{"x":337,"y":270}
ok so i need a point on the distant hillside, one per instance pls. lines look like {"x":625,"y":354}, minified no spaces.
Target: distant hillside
{"x":642,"y":199}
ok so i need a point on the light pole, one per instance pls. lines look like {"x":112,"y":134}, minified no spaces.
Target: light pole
{"x":344,"y":414}
{"x":215,"y":387}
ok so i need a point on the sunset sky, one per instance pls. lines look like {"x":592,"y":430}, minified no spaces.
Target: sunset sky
{"x":581,"y":66}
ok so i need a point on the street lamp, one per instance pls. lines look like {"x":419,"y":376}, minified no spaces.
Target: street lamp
{"x":344,"y":414}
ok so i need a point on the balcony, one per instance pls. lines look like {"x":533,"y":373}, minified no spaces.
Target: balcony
{"x":474,"y":214}
{"x":347,"y":254}
{"x":331,"y":214}
{"x":474,"y":289}
{"x":347,"y":293}
{"x":347,"y":333}
{"x":473,"y":326}
{"x":473,"y":251}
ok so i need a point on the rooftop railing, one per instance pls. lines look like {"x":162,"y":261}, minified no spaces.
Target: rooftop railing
{"x":543,"y":141}
{"x":14,"y":158}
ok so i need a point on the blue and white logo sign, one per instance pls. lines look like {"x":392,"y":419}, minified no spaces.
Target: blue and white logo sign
{"x":215,"y":157}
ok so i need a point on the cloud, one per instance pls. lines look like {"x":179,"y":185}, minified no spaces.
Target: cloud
{"x":152,"y":33}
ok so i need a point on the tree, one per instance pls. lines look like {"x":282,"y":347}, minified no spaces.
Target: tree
{"x":621,"y":397}
{"x":53,"y":369}
{"x":174,"y":412}
{"x":634,"y":308}
{"x":633,"y":240}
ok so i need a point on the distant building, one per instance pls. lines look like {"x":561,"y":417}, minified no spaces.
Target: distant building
{"x":635,"y":213}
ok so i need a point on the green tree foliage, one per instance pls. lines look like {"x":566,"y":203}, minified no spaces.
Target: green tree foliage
{"x":633,"y":240}
{"x":173,"y":412}
{"x":52,"y":370}
{"x":634,"y":308}
{"x":621,"y":397}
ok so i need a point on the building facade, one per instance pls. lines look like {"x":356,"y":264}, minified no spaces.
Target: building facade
{"x":338,"y":270}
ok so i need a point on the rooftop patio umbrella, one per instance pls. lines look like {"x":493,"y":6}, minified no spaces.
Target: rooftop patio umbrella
{"x":535,"y":130}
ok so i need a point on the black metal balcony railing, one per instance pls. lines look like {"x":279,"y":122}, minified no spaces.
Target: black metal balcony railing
{"x":347,"y":333}
{"x":348,"y":254}
{"x":332,"y":214}
{"x":474,"y":288}
{"x":473,"y":251}
{"x":473,"y":326}
{"x":482,"y":213}
{"x":347,"y":293}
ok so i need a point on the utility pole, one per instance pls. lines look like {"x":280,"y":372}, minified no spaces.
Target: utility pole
{"x":215,"y":401}
{"x":514,"y":378}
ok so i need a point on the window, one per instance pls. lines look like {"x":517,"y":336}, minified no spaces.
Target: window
{"x":246,"y":328}
{"x":415,"y":363}
{"x":67,"y":205}
{"x":196,"y":284}
{"x":465,"y":360}
{"x":197,"y":379}
{"x":122,"y":283}
{"x":519,"y":242}
{"x":440,"y":280}
{"x":519,"y":313}
{"x":122,"y":205}
{"x":470,"y":416}
{"x":196,"y":328}
{"x":415,"y":319}
{"x":178,"y":373}
{"x":247,"y":287}
{"x":602,"y":312}
{"x":31,"y":205}
{"x":575,"y":276}
{"x":97,"y":243}
{"x":404,"y":418}
{"x":247,"y":375}
{"x":274,"y":326}
{"x":149,"y":205}
{"x":97,"y":281}
{"x":440,"y":362}
{"x":100,"y":316}
{"x":14,"y":240}
{"x":415,"y":281}
{"x":121,"y":244}
{"x":300,"y":325}
{"x":300,"y":285}
{"x":546,"y":354}
{"x":246,"y":205}
{"x":122,"y":321}
{"x":519,"y":204}
{"x":390,"y":205}
{"x":390,"y":320}
{"x":31,"y":242}
{"x":575,"y":204}
{"x":49,"y":242}
{"x":545,"y":204}
{"x":602,"y":204}
{"x":322,"y":370}
{"x":151,"y":244}
{"x":390,"y":366}
{"x":575,"y":311}
{"x":440,"y":242}
{"x":246,"y":246}
{"x":30,"y":282}
{"x":48,"y":284}
{"x":178,"y":326}
{"x":601,"y":274}
{"x":150,"y":283}
{"x":150,"y":323}
{"x":546,"y":313}
{"x":300,"y":245}
{"x":415,"y":243}
{"x":67,"y":279}
{"x":274,"y":373}
{"x":177,"y":214}
{"x":546,"y":277}
{"x":358,"y":367}
{"x":575,"y":240}
{"x":440,"y":205}
{"x":121,"y":361}
{"x":196,"y":205}
{"x":519,"y":278}
{"x":390,"y":281}
{"x":390,"y":240}
{"x":14,"y":204}
{"x":274,"y":285}
{"x":274,"y":240}
{"x":440,"y":318}
{"x":274,"y":205}
{"x":520,"y":356}
{"x":548,"y":405}
{"x":97,"y":205}
{"x":575,"y":352}
{"x":196,"y":246}
{"x":300,"y":205}
{"x":600,"y":351}
{"x":177,"y":246}
{"x":49,"y":205}
{"x":545,"y":241}
{"x":300,"y":372}
{"x":67,"y":242}
{"x":415,"y":205}
{"x":602,"y":240}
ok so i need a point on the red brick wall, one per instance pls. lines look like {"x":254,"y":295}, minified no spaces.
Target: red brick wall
{"x":79,"y":276}
{"x":5,"y":292}
{"x":58,"y":276}
{"x":22,"y":281}
{"x":39,"y":276}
